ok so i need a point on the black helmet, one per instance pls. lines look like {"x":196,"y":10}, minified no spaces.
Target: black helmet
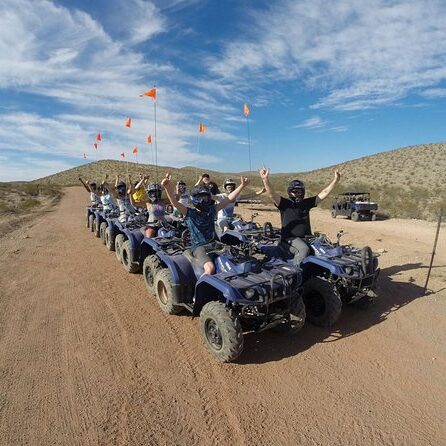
{"x":181,"y":183}
{"x":229,"y":182}
{"x":296,"y":185}
{"x":121,"y":188}
{"x":200,"y":196}
{"x":154,"y":192}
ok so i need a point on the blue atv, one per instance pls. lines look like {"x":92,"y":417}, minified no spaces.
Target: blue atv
{"x":99,"y":221}
{"x":90,"y":212}
{"x":248,"y":293}
{"x":333,"y":275}
{"x":135,"y":251}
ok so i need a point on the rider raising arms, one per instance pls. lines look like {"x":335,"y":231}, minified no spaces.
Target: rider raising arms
{"x":295,"y":213}
{"x":200,"y":219}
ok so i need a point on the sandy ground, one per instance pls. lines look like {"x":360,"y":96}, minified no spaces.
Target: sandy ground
{"x":88,"y":358}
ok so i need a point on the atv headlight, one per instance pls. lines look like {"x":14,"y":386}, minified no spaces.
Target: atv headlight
{"x":250,"y":293}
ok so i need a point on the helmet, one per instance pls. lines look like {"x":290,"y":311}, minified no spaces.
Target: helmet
{"x":181,"y":184}
{"x":201,"y":197}
{"x":296,"y":185}
{"x":121,"y":188}
{"x":228,"y":182}
{"x":154,"y":192}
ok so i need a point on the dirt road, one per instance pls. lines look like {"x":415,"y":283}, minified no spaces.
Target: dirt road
{"x":88,"y":358}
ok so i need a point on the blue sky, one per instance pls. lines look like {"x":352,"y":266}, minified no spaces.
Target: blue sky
{"x":325,"y":81}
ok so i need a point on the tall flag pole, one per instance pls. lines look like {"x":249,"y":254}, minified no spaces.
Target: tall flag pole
{"x":152,"y":94}
{"x":201,"y":129}
{"x":246,"y":113}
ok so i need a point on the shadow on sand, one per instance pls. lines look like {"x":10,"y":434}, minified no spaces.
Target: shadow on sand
{"x":392,"y":295}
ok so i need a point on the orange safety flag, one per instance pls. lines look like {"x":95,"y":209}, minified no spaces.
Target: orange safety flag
{"x":201,"y":128}
{"x":149,"y":140}
{"x":151,"y":93}
{"x":245,"y":109}
{"x":98,"y":137}
{"x":135,"y":150}
{"x":95,"y":145}
{"x":128,"y":122}
{"x":123,"y":155}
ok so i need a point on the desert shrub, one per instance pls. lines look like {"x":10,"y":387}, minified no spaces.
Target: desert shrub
{"x":28,"y":203}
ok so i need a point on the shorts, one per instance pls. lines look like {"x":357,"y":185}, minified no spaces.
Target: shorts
{"x":200,"y":253}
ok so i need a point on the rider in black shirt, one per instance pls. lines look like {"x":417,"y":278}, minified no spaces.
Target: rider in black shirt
{"x":295,"y":214}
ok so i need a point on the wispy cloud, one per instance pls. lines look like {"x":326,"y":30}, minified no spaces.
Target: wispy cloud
{"x":66,"y":56}
{"x":357,"y":55}
{"x":314,"y":122}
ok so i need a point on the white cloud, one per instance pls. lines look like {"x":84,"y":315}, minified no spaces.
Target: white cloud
{"x":434,"y":93}
{"x":314,"y":122}
{"x":360,"y":54}
{"x":67,"y":57}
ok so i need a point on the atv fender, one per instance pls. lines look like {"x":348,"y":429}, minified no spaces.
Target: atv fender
{"x":148,"y":247}
{"x":210,"y":288}
{"x":179,"y":267}
{"x":320,"y":262}
{"x":135,"y":238}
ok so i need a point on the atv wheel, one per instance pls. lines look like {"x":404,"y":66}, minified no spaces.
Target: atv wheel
{"x":163,"y":292}
{"x":110,"y":239}
{"x":221,"y":331}
{"x":322,"y":302}
{"x":102,"y":230}
{"x":268,"y":230}
{"x":91,"y":222}
{"x":333,"y":213}
{"x":296,"y":320}
{"x":128,"y":260}
{"x":367,"y":260}
{"x":119,"y":240}
{"x":355,"y":216}
{"x":373,"y":216}
{"x":152,"y":264}
{"x":96,"y":228}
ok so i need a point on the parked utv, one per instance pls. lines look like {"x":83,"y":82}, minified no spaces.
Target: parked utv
{"x":354,"y":205}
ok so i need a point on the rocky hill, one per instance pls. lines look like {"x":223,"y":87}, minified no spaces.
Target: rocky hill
{"x":409,"y":182}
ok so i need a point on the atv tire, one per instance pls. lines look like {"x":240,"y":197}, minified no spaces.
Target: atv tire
{"x":109,"y":239}
{"x":152,"y":264}
{"x":367,"y":260}
{"x":221,"y":332}
{"x":102,"y":230}
{"x":96,"y":228}
{"x":296,"y":320}
{"x":355,"y":216}
{"x":119,"y":240}
{"x":127,"y":257}
{"x":323,"y":303}
{"x":91,"y":220}
{"x":333,"y":213}
{"x":164,"y":292}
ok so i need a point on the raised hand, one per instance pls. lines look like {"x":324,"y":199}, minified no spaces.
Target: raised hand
{"x":244,"y":181}
{"x":165,"y":182}
{"x":337,"y":175}
{"x":264,"y":173}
